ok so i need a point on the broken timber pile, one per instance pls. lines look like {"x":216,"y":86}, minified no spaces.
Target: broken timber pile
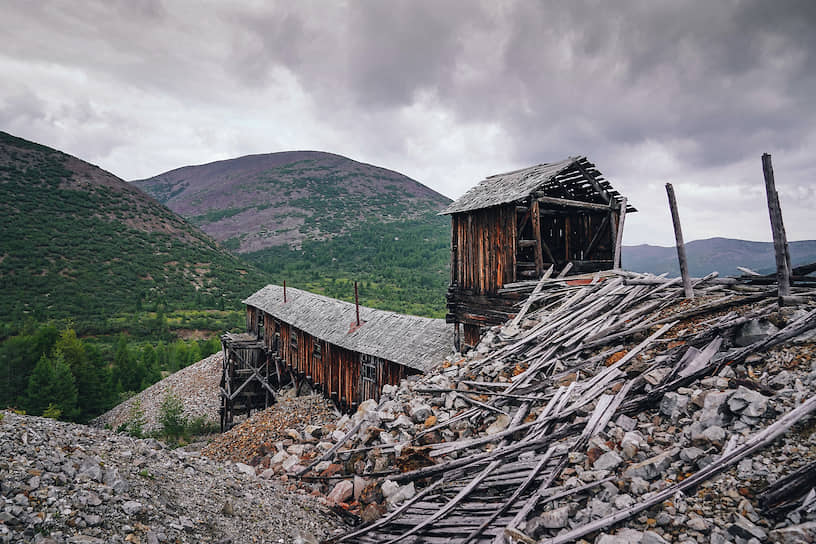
{"x":550,"y":410}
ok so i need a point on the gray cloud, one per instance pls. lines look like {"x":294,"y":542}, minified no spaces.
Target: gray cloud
{"x":445,"y":91}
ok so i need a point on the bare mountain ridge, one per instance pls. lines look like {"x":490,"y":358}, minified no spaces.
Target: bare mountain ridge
{"x":261,"y":201}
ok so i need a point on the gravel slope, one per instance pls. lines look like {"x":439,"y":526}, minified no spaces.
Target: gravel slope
{"x":71,"y":483}
{"x":196,"y":385}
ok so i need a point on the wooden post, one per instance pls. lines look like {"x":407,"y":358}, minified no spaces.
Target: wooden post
{"x":457,"y":345}
{"x":783,"y":270}
{"x":356,"y":304}
{"x":678,"y":238}
{"x":616,"y":263}
{"x":284,"y":290}
{"x":535,"y":218}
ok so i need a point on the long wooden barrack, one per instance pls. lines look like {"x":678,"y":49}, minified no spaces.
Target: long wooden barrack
{"x":345,"y":351}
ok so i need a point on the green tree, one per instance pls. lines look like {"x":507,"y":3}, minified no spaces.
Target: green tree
{"x":51,"y":383}
{"x":127,"y":372}
{"x":18,"y":357}
{"x":150,"y":364}
{"x":172,"y":418}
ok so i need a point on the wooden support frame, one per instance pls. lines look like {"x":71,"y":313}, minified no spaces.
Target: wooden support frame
{"x":597,"y":237}
{"x":594,"y":182}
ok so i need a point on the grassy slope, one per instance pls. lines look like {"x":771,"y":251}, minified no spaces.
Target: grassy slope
{"x":80,"y":243}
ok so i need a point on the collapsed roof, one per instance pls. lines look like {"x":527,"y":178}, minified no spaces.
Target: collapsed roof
{"x":574,"y":178}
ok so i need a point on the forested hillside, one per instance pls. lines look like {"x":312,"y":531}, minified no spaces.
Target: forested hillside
{"x":81,"y":243}
{"x":103,"y":287}
{"x":321,"y":221}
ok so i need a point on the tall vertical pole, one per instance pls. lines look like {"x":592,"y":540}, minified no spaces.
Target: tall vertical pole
{"x":678,"y":238}
{"x":284,"y":290}
{"x":783,"y":269}
{"x":616,"y":263}
{"x":356,"y":304}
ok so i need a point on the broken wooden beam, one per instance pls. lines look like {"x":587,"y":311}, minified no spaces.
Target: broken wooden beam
{"x":783,"y":268}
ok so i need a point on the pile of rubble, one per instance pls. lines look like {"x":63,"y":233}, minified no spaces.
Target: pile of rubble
{"x":291,"y":418}
{"x":196,"y":385}
{"x":613,"y":412}
{"x":66,"y":483}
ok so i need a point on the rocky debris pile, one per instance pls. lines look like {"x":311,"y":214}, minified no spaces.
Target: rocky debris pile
{"x":196,"y":385}
{"x":584,"y":420}
{"x":70,"y":483}
{"x":292,"y":419}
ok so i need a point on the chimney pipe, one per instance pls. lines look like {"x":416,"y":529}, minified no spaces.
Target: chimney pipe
{"x":284,"y":291}
{"x":357,"y":303}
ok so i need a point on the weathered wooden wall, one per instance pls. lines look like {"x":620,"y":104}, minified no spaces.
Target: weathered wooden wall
{"x":483,"y":246}
{"x":333,"y":370}
{"x":496,"y":246}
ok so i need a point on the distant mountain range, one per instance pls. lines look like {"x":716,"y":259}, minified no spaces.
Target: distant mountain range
{"x":78,"y":242}
{"x":723,"y":255}
{"x":256,"y":202}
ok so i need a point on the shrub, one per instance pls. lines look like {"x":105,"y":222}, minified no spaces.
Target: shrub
{"x":171,"y":417}
{"x":52,"y":412}
{"x":134,"y":426}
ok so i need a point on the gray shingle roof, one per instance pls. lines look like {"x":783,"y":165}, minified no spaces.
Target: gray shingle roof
{"x":565,"y":179}
{"x":412,"y":341}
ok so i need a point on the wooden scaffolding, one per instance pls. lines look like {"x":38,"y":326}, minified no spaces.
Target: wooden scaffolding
{"x":246,"y":381}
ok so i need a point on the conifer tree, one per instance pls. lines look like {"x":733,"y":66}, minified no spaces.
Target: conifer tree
{"x":51,"y":383}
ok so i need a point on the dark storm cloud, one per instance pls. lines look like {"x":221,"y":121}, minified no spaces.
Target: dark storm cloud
{"x":446,"y":91}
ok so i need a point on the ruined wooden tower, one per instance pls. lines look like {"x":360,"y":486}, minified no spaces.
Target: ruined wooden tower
{"x":297,"y":336}
{"x":511,"y":227}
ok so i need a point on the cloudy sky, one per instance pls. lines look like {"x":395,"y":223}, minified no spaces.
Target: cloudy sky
{"x":446,"y":92}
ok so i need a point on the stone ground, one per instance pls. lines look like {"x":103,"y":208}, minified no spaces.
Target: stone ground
{"x":196,"y":385}
{"x":642,"y":455}
{"x":67,"y":483}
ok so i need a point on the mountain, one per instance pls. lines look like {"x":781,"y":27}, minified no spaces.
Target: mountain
{"x":723,"y":255}
{"x":259,"y":201}
{"x":320,"y":222}
{"x":78,"y":242}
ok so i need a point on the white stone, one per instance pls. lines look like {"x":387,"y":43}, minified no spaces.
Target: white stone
{"x":245,"y":469}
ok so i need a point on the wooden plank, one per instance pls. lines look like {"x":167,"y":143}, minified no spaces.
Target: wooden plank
{"x":596,"y":238}
{"x":536,"y":225}
{"x":529,"y":301}
{"x":569,"y":203}
{"x":604,"y":194}
{"x":678,"y":238}
{"x":783,"y":267}
{"x":616,"y":261}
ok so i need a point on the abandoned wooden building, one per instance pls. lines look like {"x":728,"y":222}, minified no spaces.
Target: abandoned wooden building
{"x":512,"y":227}
{"x":347,"y":352}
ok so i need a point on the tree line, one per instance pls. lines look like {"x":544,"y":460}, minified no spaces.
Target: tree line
{"x":52,"y":372}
